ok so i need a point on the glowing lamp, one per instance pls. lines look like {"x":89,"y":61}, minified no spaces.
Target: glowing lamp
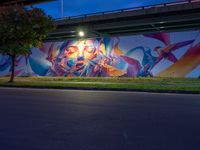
{"x":81,"y":34}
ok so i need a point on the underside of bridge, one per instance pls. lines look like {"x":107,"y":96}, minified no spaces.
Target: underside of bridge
{"x":158,"y":18}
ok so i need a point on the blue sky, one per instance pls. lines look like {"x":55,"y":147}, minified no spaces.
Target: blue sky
{"x":78,"y":7}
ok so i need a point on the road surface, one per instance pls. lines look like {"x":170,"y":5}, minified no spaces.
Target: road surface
{"x":38,"y":119}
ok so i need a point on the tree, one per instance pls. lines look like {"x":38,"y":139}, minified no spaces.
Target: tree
{"x":20,"y":29}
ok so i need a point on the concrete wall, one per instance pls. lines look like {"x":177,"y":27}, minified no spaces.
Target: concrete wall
{"x":175,"y":54}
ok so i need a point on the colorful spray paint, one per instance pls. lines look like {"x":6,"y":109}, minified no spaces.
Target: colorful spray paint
{"x":175,"y":54}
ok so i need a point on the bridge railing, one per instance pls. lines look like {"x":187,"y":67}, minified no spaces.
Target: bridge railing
{"x":126,"y":10}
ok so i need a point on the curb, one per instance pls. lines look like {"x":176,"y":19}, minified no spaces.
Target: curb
{"x":107,"y":89}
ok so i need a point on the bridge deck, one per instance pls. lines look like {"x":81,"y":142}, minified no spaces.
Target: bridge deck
{"x":184,"y":15}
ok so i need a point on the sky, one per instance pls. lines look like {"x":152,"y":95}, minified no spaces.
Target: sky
{"x":79,"y":7}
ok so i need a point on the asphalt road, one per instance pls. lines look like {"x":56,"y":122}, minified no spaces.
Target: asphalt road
{"x":32,"y":119}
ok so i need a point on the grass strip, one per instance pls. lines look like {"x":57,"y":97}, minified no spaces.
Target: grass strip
{"x":137,"y":84}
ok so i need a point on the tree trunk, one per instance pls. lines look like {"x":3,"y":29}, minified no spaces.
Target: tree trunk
{"x":13,"y":68}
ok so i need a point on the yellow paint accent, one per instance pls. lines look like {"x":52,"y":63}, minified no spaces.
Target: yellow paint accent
{"x":189,"y":61}
{"x":103,"y":48}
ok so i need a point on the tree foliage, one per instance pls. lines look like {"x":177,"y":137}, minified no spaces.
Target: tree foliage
{"x":22,"y":28}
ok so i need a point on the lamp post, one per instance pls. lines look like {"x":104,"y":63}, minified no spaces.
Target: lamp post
{"x":62,"y":8}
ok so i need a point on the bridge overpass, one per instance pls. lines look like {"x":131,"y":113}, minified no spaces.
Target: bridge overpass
{"x":179,"y":16}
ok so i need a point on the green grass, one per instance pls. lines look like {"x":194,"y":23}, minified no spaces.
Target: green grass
{"x":154,"y":84}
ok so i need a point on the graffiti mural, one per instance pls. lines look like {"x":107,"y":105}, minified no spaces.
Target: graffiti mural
{"x":175,"y":54}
